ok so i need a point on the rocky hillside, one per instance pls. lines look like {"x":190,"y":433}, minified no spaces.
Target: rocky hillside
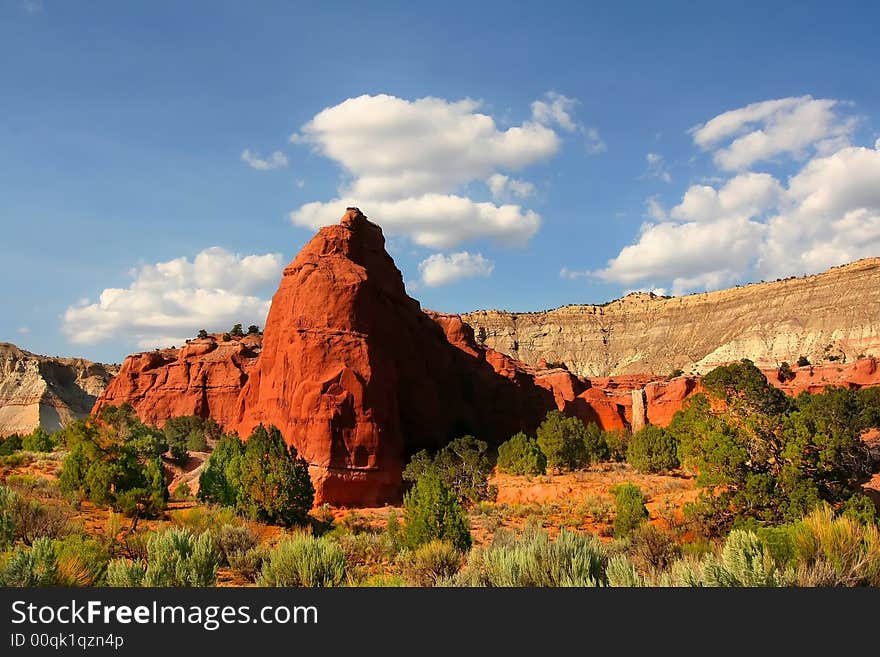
{"x":829,"y":317}
{"x":45,"y":391}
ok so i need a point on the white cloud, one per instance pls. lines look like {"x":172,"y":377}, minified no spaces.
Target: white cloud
{"x":276,"y":160}
{"x":503,"y":186}
{"x":572,"y":274}
{"x":32,"y":6}
{"x":761,"y":131}
{"x":407,"y":162}
{"x":169,"y":301}
{"x":556,"y":109}
{"x":24,"y":330}
{"x":440,"y":269}
{"x":754,"y":226}
{"x":655,"y":210}
{"x":657,"y":168}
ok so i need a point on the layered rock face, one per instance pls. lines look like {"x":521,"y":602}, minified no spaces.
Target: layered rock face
{"x":836,"y":313}
{"x":203,"y":378}
{"x":45,"y":391}
{"x":356,"y":376}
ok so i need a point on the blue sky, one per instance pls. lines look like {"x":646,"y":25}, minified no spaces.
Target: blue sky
{"x":565,"y":153}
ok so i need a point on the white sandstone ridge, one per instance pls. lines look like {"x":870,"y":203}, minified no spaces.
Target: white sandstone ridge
{"x":46,"y":391}
{"x":828,"y":317}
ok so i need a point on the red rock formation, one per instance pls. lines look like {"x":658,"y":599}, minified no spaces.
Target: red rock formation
{"x":203,"y":378}
{"x":356,"y":375}
{"x":861,"y":373}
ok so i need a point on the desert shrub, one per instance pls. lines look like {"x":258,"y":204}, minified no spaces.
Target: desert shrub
{"x":36,"y":565}
{"x":16,"y":459}
{"x":233,"y":541}
{"x":567,"y":442}
{"x":82,"y":561}
{"x":113,"y":456}
{"x":651,"y":549}
{"x":533,"y":560}
{"x":8,"y":502}
{"x":33,"y":520}
{"x":630,"y":510}
{"x":652,"y":450}
{"x":836,"y":551}
{"x":10,"y":444}
{"x":303,"y":560}
{"x":803,"y":361}
{"x":182,"y":492}
{"x":38,"y":441}
{"x":431,"y":511}
{"x":249,"y":564}
{"x":177,"y":557}
{"x":124,"y":573}
{"x":622,"y":573}
{"x":463,"y":465}
{"x":381,"y":580}
{"x":365,"y":548}
{"x":743,"y":561}
{"x":253,"y":329}
{"x":237,"y":331}
{"x":174,"y":557}
{"x":521,"y":456}
{"x":430,"y":563}
{"x":199,"y":519}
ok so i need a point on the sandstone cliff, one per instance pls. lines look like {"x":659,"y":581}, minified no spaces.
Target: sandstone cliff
{"x":836,"y":313}
{"x":45,"y":391}
{"x":202,"y":378}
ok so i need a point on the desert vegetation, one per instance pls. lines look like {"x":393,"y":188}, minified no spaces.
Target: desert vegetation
{"x":745,"y":487}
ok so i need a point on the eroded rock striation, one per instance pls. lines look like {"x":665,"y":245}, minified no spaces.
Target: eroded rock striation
{"x":833,"y":314}
{"x":46,"y":391}
{"x":204,"y":378}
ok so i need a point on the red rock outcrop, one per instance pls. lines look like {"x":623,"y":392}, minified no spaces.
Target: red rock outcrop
{"x":861,"y":373}
{"x":203,"y":378}
{"x":356,"y":376}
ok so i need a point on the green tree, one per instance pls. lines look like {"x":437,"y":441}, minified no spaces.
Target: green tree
{"x":37,"y":441}
{"x":237,"y":331}
{"x":568,"y":443}
{"x":220,"y":481}
{"x":652,"y":450}
{"x":766,"y":460}
{"x":521,"y":456}
{"x":630,"y":511}
{"x":253,"y":329}
{"x":275,"y":482}
{"x":116,"y":460}
{"x":463,"y":465}
{"x":11,"y":444}
{"x":431,"y":511}
{"x":189,"y":433}
{"x":202,"y":334}
{"x":802,"y":361}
